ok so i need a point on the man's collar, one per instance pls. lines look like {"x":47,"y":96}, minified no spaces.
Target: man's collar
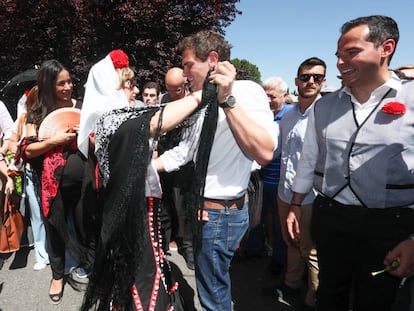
{"x":394,"y":82}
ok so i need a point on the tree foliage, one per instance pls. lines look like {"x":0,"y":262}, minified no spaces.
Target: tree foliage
{"x":246,"y":70}
{"x":80,"y":32}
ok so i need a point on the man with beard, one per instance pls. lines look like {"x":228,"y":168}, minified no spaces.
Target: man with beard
{"x":301,"y":254}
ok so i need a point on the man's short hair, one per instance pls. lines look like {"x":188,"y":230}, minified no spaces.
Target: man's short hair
{"x":313,"y":61}
{"x":205,"y":41}
{"x":152,"y":85}
{"x":380,"y":28}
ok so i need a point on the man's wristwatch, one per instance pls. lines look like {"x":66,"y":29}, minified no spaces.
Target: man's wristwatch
{"x":230,"y":102}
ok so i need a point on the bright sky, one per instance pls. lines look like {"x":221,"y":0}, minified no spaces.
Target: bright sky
{"x":277,"y":36}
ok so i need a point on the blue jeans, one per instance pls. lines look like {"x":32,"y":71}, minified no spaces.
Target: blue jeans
{"x":36,"y":219}
{"x":221,"y":236}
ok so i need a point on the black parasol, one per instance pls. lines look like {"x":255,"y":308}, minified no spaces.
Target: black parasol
{"x":26,"y":78}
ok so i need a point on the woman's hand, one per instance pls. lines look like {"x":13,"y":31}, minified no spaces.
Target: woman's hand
{"x":64,"y":137}
{"x":9,"y":188}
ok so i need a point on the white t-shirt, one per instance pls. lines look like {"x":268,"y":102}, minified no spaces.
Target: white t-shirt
{"x":229,"y":168}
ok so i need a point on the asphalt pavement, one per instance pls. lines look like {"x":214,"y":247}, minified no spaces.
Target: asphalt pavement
{"x":22,"y":288}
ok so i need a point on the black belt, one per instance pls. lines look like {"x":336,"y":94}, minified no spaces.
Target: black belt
{"x":221,"y":204}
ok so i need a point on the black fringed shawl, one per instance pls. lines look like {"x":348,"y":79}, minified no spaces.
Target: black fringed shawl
{"x":119,"y":249}
{"x":126,"y":155}
{"x":195,"y":204}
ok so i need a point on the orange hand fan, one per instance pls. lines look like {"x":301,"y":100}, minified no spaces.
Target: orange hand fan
{"x":59,"y":120}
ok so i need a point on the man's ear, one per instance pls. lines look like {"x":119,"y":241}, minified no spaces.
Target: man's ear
{"x":213,"y":59}
{"x":388,"y":47}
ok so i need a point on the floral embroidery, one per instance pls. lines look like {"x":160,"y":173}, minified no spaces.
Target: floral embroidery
{"x":54,"y":160}
{"x":394,"y":108}
{"x":119,"y":59}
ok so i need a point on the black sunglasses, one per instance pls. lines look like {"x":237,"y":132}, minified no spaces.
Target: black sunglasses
{"x":316,"y":77}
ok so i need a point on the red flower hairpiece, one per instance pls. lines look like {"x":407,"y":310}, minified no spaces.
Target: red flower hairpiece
{"x":394,"y":108}
{"x":119,"y":59}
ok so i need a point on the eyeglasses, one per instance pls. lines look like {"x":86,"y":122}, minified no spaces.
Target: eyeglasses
{"x":316,"y":77}
{"x":130,"y":84}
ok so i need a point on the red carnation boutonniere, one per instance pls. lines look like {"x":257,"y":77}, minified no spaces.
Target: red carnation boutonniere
{"x":396,"y":108}
{"x":119,"y":59}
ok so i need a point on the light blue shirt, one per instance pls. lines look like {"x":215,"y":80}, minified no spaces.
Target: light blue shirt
{"x":292,"y":133}
{"x":271,"y":172}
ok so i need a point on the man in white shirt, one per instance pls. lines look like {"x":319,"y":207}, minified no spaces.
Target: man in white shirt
{"x":245,"y":132}
{"x":358,"y":154}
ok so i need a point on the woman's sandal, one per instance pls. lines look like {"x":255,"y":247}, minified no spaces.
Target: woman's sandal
{"x":56,"y":298}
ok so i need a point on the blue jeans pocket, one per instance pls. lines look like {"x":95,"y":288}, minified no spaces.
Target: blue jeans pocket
{"x":236,"y":231}
{"x":237,"y":227}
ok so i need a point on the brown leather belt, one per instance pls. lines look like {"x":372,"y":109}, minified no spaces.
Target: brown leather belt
{"x":220,"y":204}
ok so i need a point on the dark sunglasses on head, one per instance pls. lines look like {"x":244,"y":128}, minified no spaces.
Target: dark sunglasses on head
{"x":316,"y":77}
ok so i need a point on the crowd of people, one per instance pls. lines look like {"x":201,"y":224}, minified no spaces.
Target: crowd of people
{"x":131,"y":180}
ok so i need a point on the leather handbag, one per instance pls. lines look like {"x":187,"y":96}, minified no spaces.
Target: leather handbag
{"x":12,"y":227}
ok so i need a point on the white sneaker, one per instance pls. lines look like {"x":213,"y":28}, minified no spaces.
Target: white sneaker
{"x":39,"y":266}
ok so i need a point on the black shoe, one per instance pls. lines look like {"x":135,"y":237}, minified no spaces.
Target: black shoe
{"x":188,"y":255}
{"x":57,"y":297}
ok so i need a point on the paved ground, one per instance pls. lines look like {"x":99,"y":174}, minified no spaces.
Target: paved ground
{"x":22,"y":288}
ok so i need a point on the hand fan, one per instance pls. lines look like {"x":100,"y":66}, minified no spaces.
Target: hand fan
{"x":57,"y":121}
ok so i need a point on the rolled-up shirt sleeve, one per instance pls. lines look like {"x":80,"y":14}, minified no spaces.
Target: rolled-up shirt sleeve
{"x":6,"y":122}
{"x":303,"y":181}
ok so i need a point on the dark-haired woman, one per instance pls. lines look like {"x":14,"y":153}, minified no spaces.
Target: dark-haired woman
{"x":59,"y":170}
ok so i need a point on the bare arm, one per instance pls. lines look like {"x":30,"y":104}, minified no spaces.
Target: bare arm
{"x":252,"y":138}
{"x":38,"y":148}
{"x":294,"y":215}
{"x":9,"y":187}
{"x":175,"y":112}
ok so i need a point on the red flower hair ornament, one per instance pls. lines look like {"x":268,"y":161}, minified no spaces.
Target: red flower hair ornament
{"x":119,"y":59}
{"x":396,"y":108}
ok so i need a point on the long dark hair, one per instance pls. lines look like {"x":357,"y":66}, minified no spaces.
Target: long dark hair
{"x":46,"y":81}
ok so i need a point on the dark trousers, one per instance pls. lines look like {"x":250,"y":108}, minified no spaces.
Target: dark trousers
{"x":57,"y":234}
{"x":352,"y":242}
{"x":56,"y":250}
{"x":175,"y":223}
